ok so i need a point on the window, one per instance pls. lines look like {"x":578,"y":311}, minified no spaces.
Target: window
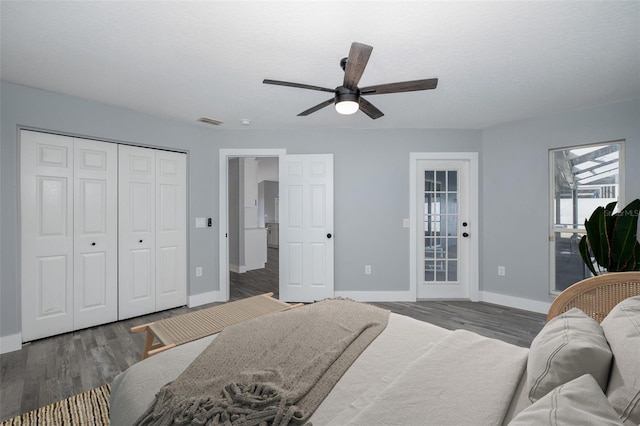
{"x":582,"y":178}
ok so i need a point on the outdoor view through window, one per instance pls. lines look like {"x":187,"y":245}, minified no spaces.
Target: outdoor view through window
{"x":582,"y":178}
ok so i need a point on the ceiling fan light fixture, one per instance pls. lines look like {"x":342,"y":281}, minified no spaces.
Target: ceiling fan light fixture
{"x":347,"y":107}
{"x":347,"y":102}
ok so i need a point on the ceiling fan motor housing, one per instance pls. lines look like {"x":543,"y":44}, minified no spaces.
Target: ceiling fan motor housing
{"x":344,"y":94}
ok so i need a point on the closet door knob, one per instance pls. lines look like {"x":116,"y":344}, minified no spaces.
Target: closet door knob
{"x":328,"y":235}
{"x":140,"y":240}
{"x":93,"y":244}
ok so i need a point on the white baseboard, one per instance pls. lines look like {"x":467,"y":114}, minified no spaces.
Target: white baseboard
{"x":515,"y":302}
{"x":378,"y":296}
{"x":10,"y":343}
{"x":364,"y":296}
{"x":254,"y":267}
{"x":204,"y":298}
{"x":242,"y":269}
{"x":483,"y":296}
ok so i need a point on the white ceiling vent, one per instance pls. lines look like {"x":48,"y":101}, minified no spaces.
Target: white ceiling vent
{"x":209,"y":121}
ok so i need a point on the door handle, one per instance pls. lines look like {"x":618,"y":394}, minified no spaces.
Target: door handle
{"x":93,"y":244}
{"x":465,"y":234}
{"x":328,"y":235}
{"x":140,"y":240}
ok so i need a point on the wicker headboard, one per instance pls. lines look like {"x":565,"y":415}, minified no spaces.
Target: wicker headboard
{"x":596,"y":296}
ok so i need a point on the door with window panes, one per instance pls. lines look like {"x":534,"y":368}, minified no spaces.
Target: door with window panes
{"x":443,"y":229}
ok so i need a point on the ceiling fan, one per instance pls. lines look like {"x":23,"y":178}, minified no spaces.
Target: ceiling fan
{"x":348,"y":98}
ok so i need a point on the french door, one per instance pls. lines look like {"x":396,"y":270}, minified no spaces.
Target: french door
{"x":444,"y":229}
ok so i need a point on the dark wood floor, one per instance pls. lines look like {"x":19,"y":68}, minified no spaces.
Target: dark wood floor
{"x":51,"y":369}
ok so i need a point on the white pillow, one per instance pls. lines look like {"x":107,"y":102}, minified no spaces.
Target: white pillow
{"x":570,"y":345}
{"x":622,"y":330}
{"x":580,"y":402}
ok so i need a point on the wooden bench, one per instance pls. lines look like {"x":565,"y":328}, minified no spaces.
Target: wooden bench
{"x":180,"y":329}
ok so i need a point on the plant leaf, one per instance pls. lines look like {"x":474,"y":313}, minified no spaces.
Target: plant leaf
{"x":624,"y":234}
{"x":608,"y":210}
{"x":596,"y":228}
{"x":586,"y":256}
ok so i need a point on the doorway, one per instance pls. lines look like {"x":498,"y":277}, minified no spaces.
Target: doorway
{"x":253,"y":226}
{"x":444,"y":234}
{"x":246,"y":278}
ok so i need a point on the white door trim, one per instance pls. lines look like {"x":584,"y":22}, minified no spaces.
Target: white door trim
{"x":223,"y":220}
{"x":474,"y":272}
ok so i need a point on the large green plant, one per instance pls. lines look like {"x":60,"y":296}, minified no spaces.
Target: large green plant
{"x":612,"y":239}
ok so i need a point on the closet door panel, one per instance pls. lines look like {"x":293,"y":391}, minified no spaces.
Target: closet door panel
{"x":46,"y":200}
{"x":171,"y":277}
{"x":95,"y":233}
{"x":137,"y":231}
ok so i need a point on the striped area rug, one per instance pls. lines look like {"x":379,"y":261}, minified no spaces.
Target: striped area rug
{"x":87,"y":408}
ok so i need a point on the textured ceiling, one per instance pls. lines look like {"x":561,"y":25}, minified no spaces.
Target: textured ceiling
{"x":496,"y":61}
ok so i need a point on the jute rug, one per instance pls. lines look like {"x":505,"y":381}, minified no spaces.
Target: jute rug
{"x":88,"y":408}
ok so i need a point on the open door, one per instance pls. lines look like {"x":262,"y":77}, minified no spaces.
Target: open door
{"x":306,"y":227}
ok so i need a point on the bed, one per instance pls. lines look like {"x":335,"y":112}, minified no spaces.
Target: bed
{"x":414,"y":373}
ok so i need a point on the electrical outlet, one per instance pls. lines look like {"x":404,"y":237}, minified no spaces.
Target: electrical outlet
{"x":367,"y":269}
{"x":198,"y":271}
{"x":502,"y":271}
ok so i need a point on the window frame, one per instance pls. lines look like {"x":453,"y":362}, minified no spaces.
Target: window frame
{"x":553,"y":228}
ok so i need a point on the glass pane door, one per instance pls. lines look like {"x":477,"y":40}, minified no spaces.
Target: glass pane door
{"x":441,"y":223}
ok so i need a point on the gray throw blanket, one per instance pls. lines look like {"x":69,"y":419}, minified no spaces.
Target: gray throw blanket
{"x":271,"y":370}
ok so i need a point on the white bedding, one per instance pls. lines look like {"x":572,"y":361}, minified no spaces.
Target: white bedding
{"x":451,"y":377}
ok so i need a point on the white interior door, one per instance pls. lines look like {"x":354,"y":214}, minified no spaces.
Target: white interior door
{"x":46,"y":192}
{"x":171,"y":232}
{"x":444,"y":229}
{"x":95,"y":233}
{"x":306,"y":227}
{"x":137,"y":225}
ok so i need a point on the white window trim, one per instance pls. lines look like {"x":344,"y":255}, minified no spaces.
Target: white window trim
{"x":552,"y":229}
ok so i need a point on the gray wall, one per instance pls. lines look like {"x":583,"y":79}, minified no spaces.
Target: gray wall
{"x":38,"y":109}
{"x":234,"y":212}
{"x":371,"y":186}
{"x":371,"y":192}
{"x":371,"y":175}
{"x":515,"y":190}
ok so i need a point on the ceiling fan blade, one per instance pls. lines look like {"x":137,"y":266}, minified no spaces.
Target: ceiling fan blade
{"x":356,"y":62}
{"x":405,"y":86}
{"x":298,"y":85}
{"x":368,"y":108}
{"x":317,"y":107}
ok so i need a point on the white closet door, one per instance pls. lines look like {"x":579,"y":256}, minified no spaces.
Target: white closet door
{"x":46,"y":192}
{"x":171,"y":220}
{"x":137,"y":224}
{"x":95,"y":233}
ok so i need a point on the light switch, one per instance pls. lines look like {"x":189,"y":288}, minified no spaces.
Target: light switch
{"x":405,"y":223}
{"x":201,"y":222}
